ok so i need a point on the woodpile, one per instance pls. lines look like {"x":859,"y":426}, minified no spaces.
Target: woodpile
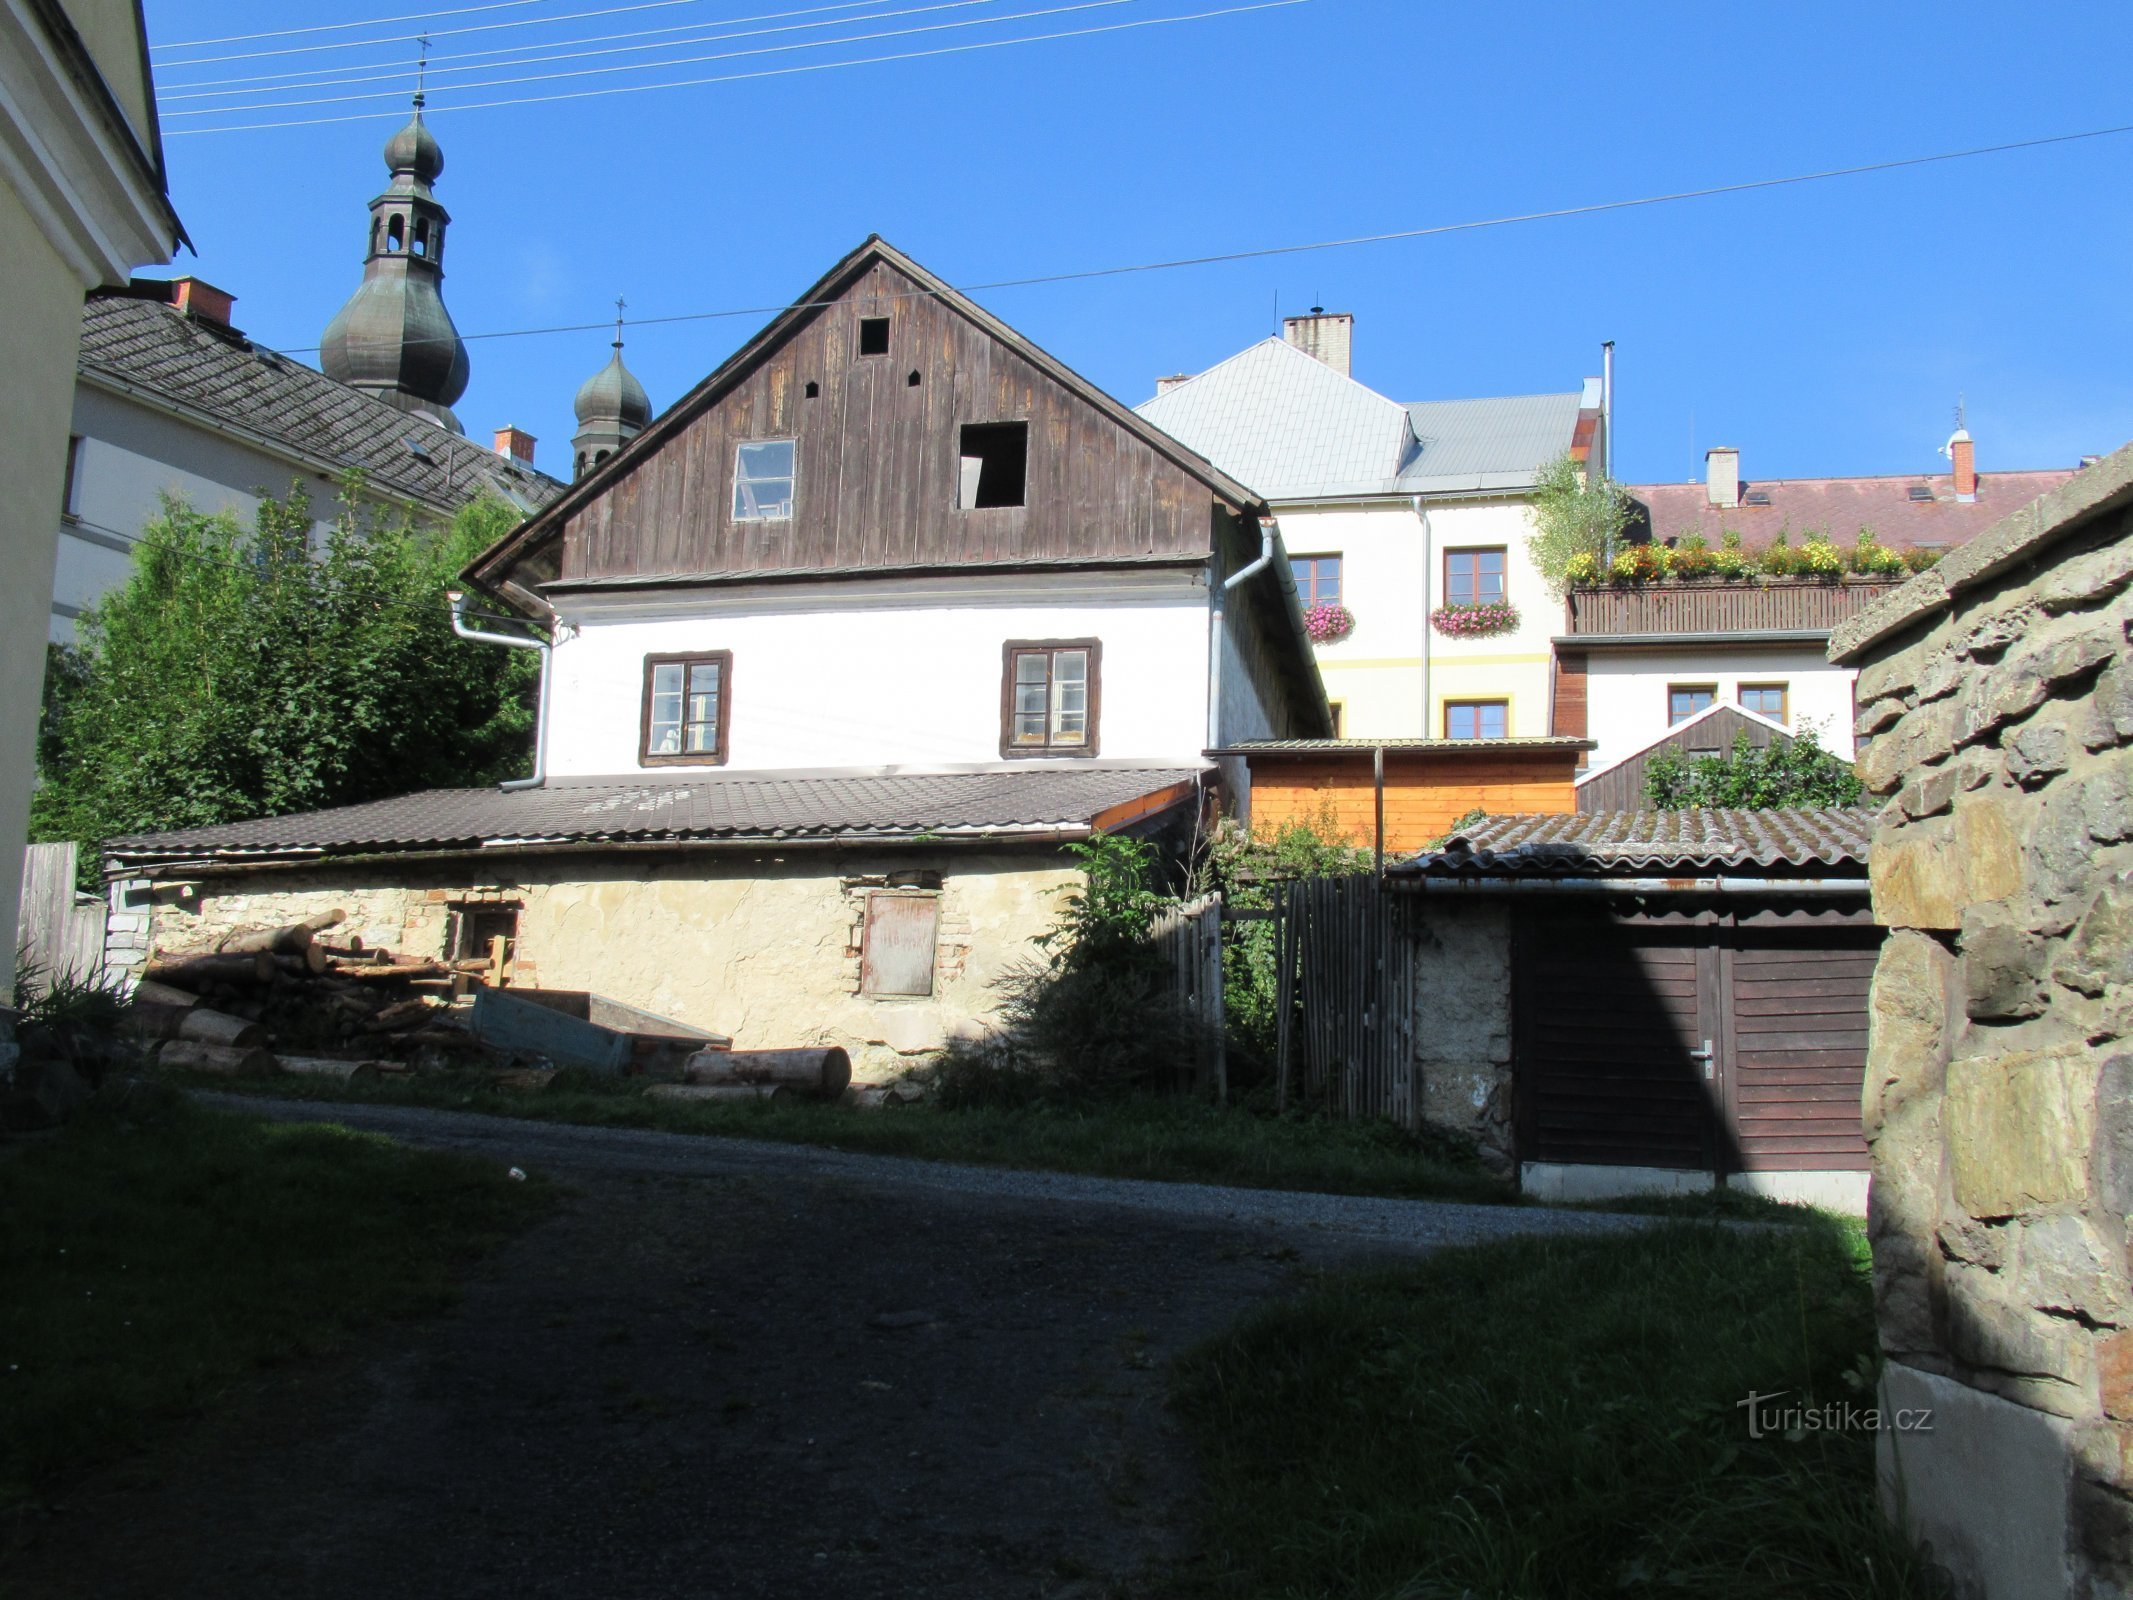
{"x":287,"y":1000}
{"x":811,"y":1074}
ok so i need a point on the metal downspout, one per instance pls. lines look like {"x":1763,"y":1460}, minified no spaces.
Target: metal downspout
{"x":458,"y":601}
{"x":1427,"y":568}
{"x":1215,"y":592}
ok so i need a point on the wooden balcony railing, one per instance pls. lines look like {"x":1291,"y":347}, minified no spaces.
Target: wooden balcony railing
{"x":1711,"y":607}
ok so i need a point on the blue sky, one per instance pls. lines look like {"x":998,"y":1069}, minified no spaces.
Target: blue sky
{"x":1826,"y":328}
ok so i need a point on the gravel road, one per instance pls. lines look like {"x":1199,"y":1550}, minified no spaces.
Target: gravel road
{"x":741,"y":1370}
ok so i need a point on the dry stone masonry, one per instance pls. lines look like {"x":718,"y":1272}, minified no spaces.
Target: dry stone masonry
{"x":1996,"y":717}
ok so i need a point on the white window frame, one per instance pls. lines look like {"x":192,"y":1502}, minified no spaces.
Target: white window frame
{"x":747,"y":505}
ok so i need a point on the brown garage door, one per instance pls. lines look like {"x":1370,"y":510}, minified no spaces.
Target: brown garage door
{"x":1712,"y":1048}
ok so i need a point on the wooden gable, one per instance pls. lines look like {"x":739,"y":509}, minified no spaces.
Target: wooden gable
{"x":878,"y":441}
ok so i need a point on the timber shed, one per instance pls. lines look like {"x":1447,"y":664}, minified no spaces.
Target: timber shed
{"x":1680,"y":998}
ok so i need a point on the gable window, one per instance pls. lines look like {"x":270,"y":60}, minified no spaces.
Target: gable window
{"x":1684,"y":700}
{"x":896,"y":951}
{"x":873,"y":336}
{"x":1473,"y":576}
{"x":687,"y":704}
{"x":1476,"y":719}
{"x":1318,"y":579}
{"x":1049,"y":697}
{"x":1766,"y":699}
{"x":763,"y":481}
{"x":993,"y":469}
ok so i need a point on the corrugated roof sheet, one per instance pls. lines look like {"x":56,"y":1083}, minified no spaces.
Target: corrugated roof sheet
{"x":818,"y":805}
{"x":1286,"y":424}
{"x":1600,"y":843}
{"x":1487,"y":444}
{"x":150,"y":345}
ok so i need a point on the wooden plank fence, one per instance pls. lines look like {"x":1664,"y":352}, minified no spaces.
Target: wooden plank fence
{"x":1190,"y":938}
{"x":61,"y":932}
{"x":1345,"y":997}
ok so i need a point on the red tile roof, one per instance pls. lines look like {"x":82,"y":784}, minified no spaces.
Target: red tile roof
{"x":1842,"y":506}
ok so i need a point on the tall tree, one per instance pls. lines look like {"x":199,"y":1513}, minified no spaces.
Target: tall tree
{"x":252,"y":672}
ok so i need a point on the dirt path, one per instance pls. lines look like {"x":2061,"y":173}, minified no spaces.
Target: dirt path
{"x":755,"y":1371}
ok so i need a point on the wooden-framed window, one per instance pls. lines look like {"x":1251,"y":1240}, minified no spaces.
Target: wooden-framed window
{"x":1684,"y":700}
{"x":1477,"y":719}
{"x":687,"y":705}
{"x":1318,"y":579}
{"x":1050,"y":696}
{"x":1765,"y":699}
{"x":763,"y":480}
{"x":897,"y":946}
{"x":1473,"y":576}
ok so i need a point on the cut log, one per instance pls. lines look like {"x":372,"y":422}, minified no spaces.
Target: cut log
{"x":196,"y":1023}
{"x":197,"y":972}
{"x":150,"y":993}
{"x":819,"y":1074}
{"x":717,"y":1092}
{"x":388,"y":974}
{"x":289,"y":940}
{"x":401,"y":1014}
{"x":523,"y":1080}
{"x":344,"y":1071}
{"x":188,"y":1055}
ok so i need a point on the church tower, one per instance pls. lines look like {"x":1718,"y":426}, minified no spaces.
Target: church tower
{"x":612,"y":410}
{"x":394,"y":339}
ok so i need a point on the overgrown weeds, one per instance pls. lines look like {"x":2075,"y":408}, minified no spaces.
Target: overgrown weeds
{"x":1551,"y":1418}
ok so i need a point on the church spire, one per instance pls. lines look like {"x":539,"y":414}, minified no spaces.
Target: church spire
{"x":612,"y":409}
{"x":394,"y":339}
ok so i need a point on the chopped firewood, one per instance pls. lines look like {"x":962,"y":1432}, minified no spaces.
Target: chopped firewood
{"x":188,"y":1055}
{"x":345,"y":1071}
{"x":822,"y":1074}
{"x":384,"y":974}
{"x":399,"y":1016}
{"x":197,"y":972}
{"x":197,"y":1023}
{"x":149,"y":992}
{"x":293,"y":939}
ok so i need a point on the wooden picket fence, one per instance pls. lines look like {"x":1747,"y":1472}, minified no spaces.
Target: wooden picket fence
{"x":61,"y":932}
{"x":1190,"y":939}
{"x":1345,"y":997}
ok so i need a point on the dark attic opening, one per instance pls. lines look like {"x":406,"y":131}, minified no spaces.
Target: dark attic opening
{"x":995,"y":465}
{"x":873,"y":336}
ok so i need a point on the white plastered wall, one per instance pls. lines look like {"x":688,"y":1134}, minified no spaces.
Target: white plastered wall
{"x":884,"y":672}
{"x":1626,"y":693}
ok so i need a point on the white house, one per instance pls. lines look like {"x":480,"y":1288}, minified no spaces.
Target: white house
{"x":846,"y":646}
{"x":1400,"y":514}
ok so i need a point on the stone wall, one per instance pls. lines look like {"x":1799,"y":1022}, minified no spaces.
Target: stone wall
{"x":1996,"y":698}
{"x":766,"y":949}
{"x":1463,"y":1010}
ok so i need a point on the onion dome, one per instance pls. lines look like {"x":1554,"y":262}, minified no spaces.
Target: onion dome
{"x":414,"y":150}
{"x":612,"y":410}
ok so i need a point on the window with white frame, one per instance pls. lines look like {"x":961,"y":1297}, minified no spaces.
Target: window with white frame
{"x":763,"y":481}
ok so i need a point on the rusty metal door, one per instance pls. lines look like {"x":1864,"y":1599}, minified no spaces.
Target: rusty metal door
{"x":896,"y":957}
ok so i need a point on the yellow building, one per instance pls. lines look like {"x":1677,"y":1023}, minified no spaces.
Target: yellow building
{"x":1413,"y":519}
{"x":82,"y":202}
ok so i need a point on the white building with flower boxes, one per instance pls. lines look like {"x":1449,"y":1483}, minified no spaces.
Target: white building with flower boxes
{"x":1406,"y":527}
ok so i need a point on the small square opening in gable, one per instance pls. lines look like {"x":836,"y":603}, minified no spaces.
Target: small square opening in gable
{"x":873,"y":336}
{"x":994,"y":465}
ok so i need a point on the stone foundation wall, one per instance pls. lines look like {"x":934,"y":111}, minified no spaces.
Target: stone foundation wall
{"x":1463,"y":1011}
{"x":1999,"y":1089}
{"x":766,"y":950}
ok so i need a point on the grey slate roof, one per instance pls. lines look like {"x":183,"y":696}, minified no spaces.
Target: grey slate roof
{"x":1604,"y":843}
{"x":1294,"y":429}
{"x":820,"y":805}
{"x":148,"y":345}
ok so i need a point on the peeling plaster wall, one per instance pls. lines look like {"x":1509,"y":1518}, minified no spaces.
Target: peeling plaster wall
{"x":1998,"y":733}
{"x":764,"y":949}
{"x":1463,"y":1019}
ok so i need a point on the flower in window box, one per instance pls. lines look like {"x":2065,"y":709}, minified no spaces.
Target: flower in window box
{"x":1474,"y":619}
{"x":1641,"y":563}
{"x":1693,"y":557}
{"x":1582,"y":568}
{"x":1328,"y":622}
{"x":1821,"y":559}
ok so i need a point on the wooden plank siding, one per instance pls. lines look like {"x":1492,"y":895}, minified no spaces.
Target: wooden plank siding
{"x":1424,"y":793}
{"x":876,"y":461}
{"x":1621,"y":786}
{"x":1568,"y":700}
{"x":1796,"y":1056}
{"x":1709,"y":607}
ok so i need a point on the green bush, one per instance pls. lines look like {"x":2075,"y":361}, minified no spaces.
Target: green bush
{"x":1798,"y":772}
{"x":1693,"y":557}
{"x":1576,"y":519}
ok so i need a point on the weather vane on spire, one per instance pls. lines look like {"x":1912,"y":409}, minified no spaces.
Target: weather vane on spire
{"x":422,"y":70}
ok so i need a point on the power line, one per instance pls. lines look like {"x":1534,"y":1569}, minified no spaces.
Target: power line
{"x":642,"y":66}
{"x":1592,"y":208}
{"x":768,"y":72}
{"x":337,"y":27}
{"x":330,"y":75}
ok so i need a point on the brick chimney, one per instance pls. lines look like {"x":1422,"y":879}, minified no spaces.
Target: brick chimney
{"x":1721,"y":472}
{"x":202,"y":301}
{"x":1327,"y":335}
{"x":1165,"y":385}
{"x":1963,"y":455}
{"x":515,"y":444}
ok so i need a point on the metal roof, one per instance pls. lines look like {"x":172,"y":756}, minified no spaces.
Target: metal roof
{"x":1295,"y":429}
{"x":150,"y":349}
{"x":1487,"y":445}
{"x":1600,"y":843}
{"x":1019,"y":800}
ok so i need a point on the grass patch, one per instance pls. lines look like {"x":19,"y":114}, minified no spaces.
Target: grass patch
{"x":153,"y":1253}
{"x":1550,"y":1418}
{"x":1160,"y":1138}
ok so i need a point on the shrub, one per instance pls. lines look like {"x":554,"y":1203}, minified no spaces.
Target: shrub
{"x":1778,"y":559}
{"x":1798,"y":772}
{"x":1871,"y":558}
{"x":1729,"y":560}
{"x":1574,"y":515}
{"x":1915,"y":560}
{"x":1692,"y":557}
